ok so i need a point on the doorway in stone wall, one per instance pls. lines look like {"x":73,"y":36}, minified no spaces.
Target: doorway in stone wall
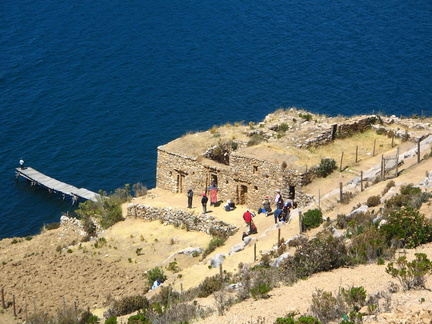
{"x":214,"y":178}
{"x":292,"y":192}
{"x":242,"y":191}
{"x":179,"y":182}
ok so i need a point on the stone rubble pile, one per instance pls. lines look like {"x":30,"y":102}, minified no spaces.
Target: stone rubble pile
{"x":182,"y":219}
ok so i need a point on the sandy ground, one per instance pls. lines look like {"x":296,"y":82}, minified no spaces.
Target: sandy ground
{"x":54,"y":269}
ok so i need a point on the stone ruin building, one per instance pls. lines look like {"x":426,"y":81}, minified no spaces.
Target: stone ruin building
{"x":246,"y":173}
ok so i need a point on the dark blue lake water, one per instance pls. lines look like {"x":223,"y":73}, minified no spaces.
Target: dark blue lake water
{"x":89,"y":89}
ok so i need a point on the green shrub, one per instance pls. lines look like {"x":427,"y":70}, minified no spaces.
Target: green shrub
{"x":260,"y":291}
{"x":326,"y":167}
{"x":283,"y":127}
{"x":138,"y":319}
{"x":355,"y":297}
{"x":346,"y":197}
{"x":209,"y":285}
{"x":373,"y":201}
{"x":52,"y":226}
{"x":368,"y":243}
{"x":323,"y":253}
{"x":222,"y":151}
{"x":408,"y":225}
{"x":409,"y":196}
{"x":107,"y":209}
{"x":155,"y":274}
{"x":389,"y":184}
{"x":312,"y":218}
{"x":215,"y":242}
{"x":139,"y":189}
{"x":307,"y":320}
{"x":285,"y":320}
{"x":341,"y":221}
{"x":166,"y":297}
{"x":111,"y":320}
{"x":127,"y":305}
{"x":307,"y":117}
{"x":325,"y":306}
{"x":411,"y":275}
{"x":255,"y":139}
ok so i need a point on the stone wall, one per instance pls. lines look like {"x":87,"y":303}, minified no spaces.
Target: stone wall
{"x":182,"y":219}
{"x":341,"y":130}
{"x":245,"y":181}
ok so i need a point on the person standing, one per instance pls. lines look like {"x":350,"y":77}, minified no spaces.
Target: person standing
{"x":190,"y":197}
{"x":213,"y":189}
{"x":247,"y":216}
{"x":279,"y":200}
{"x":21,"y":162}
{"x":204,"y":201}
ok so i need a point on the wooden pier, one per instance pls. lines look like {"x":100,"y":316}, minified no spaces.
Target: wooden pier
{"x":54,"y":185}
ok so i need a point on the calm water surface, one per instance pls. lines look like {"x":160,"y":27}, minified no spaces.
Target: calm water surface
{"x":89,"y":89}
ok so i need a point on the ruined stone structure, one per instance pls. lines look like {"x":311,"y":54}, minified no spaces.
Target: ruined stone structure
{"x":183,"y":219}
{"x":247,"y":178}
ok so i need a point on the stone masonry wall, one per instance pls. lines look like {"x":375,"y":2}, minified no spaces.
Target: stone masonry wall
{"x":183,"y":219}
{"x":342,"y":130}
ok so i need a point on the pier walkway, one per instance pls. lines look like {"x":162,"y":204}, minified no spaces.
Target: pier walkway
{"x":54,"y":185}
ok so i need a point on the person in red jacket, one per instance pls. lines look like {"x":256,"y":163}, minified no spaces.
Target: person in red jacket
{"x":247,"y":216}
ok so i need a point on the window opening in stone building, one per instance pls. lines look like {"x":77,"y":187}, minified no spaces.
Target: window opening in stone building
{"x":242,"y":194}
{"x":255,"y":169}
{"x":292,"y":192}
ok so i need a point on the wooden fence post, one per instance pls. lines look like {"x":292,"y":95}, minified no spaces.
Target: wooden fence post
{"x":279,"y":231}
{"x":340,"y":169}
{"x":255,"y":252}
{"x":418,"y":151}
{"x":2,"y":295}
{"x":340,"y":192}
{"x":221,"y":271}
{"x":300,"y":221}
{"x":373,"y":152}
{"x":76,"y":310}
{"x":14,"y":306}
{"x":361,"y":181}
{"x":356,"y":160}
{"x":397,"y":162}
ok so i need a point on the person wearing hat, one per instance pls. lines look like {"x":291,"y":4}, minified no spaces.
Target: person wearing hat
{"x":279,"y":200}
{"x":266,"y":205}
{"x":204,"y":201}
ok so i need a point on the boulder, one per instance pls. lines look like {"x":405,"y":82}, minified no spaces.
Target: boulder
{"x":217,"y":260}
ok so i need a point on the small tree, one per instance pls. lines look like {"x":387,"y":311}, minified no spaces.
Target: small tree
{"x":326,"y":167}
{"x":411,"y":275}
{"x":409,"y":225}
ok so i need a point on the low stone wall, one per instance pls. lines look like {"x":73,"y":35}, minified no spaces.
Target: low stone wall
{"x":353,"y":126}
{"x":182,"y":219}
